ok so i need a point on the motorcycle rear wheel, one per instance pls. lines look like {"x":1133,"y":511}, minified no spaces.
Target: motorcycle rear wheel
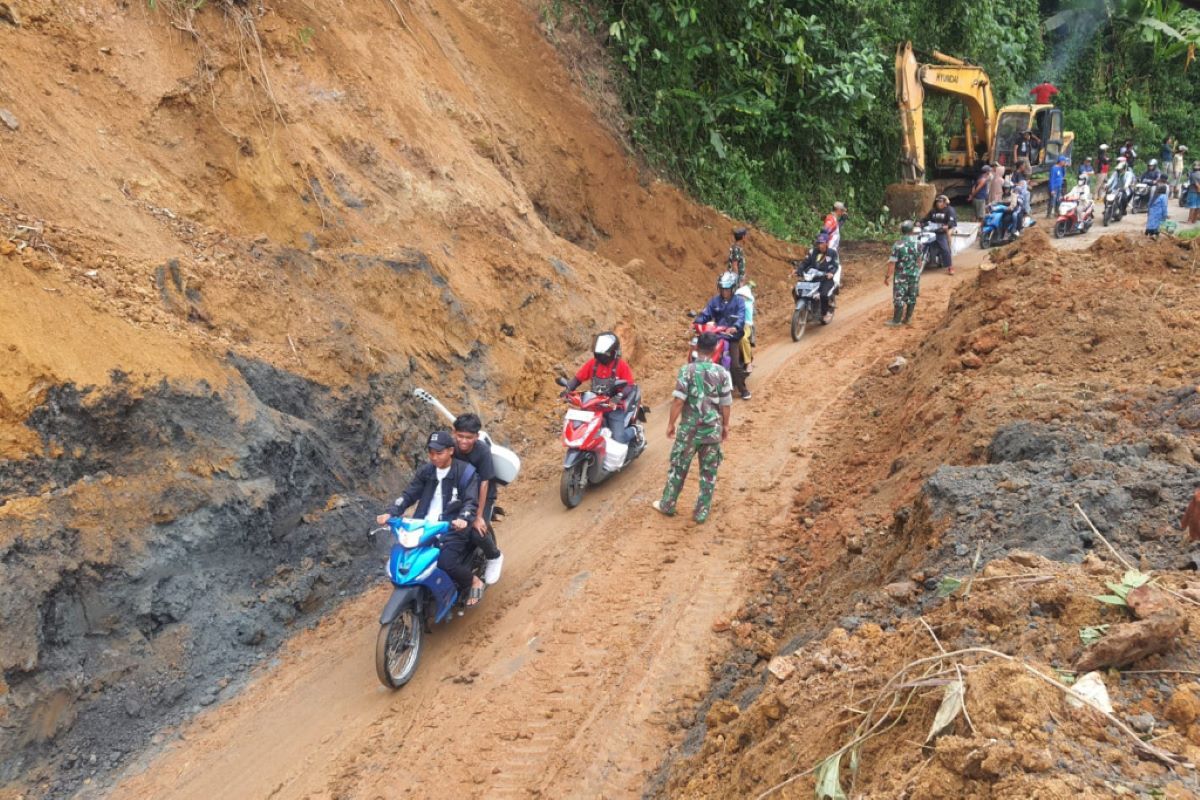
{"x":570,"y":488}
{"x":1060,"y":229}
{"x":398,"y":648}
{"x":799,"y":322}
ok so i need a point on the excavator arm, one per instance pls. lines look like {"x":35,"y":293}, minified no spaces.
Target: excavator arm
{"x":967,"y":82}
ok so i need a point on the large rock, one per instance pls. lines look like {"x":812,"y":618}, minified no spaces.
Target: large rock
{"x":1132,"y":641}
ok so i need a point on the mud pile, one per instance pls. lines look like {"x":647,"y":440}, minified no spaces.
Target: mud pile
{"x":234,"y":238}
{"x":1054,"y":379}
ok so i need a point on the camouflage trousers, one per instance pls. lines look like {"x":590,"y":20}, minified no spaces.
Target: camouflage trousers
{"x":905,"y":290}
{"x":682,"y":453}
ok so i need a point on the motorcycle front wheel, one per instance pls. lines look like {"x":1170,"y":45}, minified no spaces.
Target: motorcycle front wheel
{"x":1060,"y":228}
{"x":799,"y":322}
{"x":986,"y":238}
{"x":1108,"y":214}
{"x":570,"y":489}
{"x":398,"y":648}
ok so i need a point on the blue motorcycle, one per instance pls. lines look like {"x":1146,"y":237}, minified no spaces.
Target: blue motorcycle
{"x":994,"y":232}
{"x":422,"y":593}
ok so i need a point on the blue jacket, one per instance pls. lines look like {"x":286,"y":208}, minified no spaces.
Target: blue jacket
{"x":1058,"y":173}
{"x":1158,"y":212}
{"x":729,"y":313}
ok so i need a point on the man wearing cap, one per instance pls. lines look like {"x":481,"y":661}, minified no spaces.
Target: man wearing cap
{"x":979,"y":192}
{"x":736,"y":261}
{"x":832,"y":227}
{"x":446,"y":489}
{"x":904,"y":273}
{"x":1058,"y":177}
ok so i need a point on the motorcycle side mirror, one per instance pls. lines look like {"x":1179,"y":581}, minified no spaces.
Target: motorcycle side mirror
{"x":561,"y":381}
{"x":690,"y":314}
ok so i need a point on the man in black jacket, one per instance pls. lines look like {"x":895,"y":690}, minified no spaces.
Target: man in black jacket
{"x":944,"y":217}
{"x":446,"y":490}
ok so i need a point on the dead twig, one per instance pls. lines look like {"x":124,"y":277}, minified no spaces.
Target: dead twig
{"x":1100,"y":535}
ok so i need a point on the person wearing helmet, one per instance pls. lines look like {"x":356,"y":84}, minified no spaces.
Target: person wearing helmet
{"x":736,"y":261}
{"x":904,"y":273}
{"x":832,"y":227}
{"x":942,"y":214}
{"x":1082,"y":195}
{"x":824,"y":259}
{"x":979,"y":191}
{"x":1121,"y":182}
{"x":611,"y":376}
{"x":1102,"y":163}
{"x":1152,"y":173}
{"x":728,"y":311}
{"x":1011,"y":218}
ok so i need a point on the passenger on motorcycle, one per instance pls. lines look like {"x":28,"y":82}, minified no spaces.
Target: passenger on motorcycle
{"x":605,"y":369}
{"x":470,"y":448}
{"x":1011,"y":219}
{"x":728,"y":310}
{"x":446,"y":490}
{"x":944,"y":217}
{"x":1082,"y":196}
{"x":832,"y":227}
{"x":823,"y":260}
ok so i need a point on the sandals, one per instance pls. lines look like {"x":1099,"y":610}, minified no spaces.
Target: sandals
{"x":474,"y":596}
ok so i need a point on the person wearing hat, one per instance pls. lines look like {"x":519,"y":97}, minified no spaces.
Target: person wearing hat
{"x":832,"y":226}
{"x":942,"y":214}
{"x":1058,"y":177}
{"x":1193,"y":197}
{"x":904,"y":273}
{"x":446,"y":489}
{"x":736,"y":261}
{"x":979,"y":192}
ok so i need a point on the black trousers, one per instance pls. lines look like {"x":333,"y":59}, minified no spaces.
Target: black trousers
{"x":737,"y":370}
{"x":943,"y":244}
{"x":826,"y":289}
{"x":455,"y":558}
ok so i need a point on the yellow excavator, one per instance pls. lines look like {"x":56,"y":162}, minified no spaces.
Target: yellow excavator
{"x":988,"y":135}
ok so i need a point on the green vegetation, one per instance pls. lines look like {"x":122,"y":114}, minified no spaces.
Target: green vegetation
{"x":771,"y":109}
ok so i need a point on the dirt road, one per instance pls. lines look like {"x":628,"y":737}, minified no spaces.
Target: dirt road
{"x":561,"y":684}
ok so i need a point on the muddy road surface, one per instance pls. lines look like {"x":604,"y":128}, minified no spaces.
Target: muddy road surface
{"x":562,"y":683}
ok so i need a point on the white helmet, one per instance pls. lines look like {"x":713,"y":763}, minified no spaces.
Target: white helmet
{"x":1121,"y":162}
{"x":1153,"y":163}
{"x":1082,"y":180}
{"x":1103,"y":147}
{"x":727,"y":280}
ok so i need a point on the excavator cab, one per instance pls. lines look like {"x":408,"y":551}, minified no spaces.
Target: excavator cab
{"x":1045,"y":121}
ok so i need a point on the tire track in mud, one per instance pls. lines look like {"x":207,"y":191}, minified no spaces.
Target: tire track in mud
{"x":601,"y":630}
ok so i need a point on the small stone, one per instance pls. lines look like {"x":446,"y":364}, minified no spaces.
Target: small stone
{"x":1183,"y":708}
{"x":782,"y":667}
{"x":1025,"y":558}
{"x":1142,"y":723}
{"x":721,"y":713}
{"x":900,"y":591}
{"x":9,"y":119}
{"x":899,"y":363}
{"x":1146,"y":601}
{"x":971,"y":361}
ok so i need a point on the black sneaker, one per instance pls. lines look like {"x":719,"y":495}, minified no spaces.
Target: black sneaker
{"x":745,"y":394}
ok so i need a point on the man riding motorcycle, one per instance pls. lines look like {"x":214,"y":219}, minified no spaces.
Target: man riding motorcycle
{"x":825,"y":261}
{"x":728,"y":310}
{"x":942,"y":214}
{"x":605,"y":369}
{"x":1121,"y":181}
{"x":1152,"y":173}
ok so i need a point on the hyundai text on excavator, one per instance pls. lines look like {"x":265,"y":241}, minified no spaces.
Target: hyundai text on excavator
{"x":988,"y":135}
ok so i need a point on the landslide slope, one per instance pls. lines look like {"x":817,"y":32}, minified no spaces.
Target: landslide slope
{"x":233,"y":239}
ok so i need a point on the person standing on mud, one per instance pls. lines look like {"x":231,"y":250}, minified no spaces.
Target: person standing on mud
{"x":904,"y":273}
{"x":703,"y":398}
{"x":736,"y":261}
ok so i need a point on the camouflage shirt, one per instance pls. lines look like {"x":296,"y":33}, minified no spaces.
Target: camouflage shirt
{"x":703,"y":387}
{"x":736,"y":261}
{"x":907,"y":258}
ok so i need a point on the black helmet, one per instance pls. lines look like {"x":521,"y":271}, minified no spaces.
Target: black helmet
{"x":607,"y":348}
{"x":907,"y":226}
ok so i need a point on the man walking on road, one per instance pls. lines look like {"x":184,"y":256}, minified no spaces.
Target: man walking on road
{"x":703,"y":397}
{"x":906,"y":281}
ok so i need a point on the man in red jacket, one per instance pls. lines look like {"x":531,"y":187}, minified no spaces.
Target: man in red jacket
{"x":611,"y":376}
{"x":1043,"y":92}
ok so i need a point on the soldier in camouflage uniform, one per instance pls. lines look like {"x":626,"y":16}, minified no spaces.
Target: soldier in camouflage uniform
{"x":736,"y":262}
{"x":905,"y":263}
{"x":703,"y":396}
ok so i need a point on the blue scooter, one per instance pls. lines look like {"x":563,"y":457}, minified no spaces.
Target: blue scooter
{"x":422,"y":591}
{"x":994,"y":232}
